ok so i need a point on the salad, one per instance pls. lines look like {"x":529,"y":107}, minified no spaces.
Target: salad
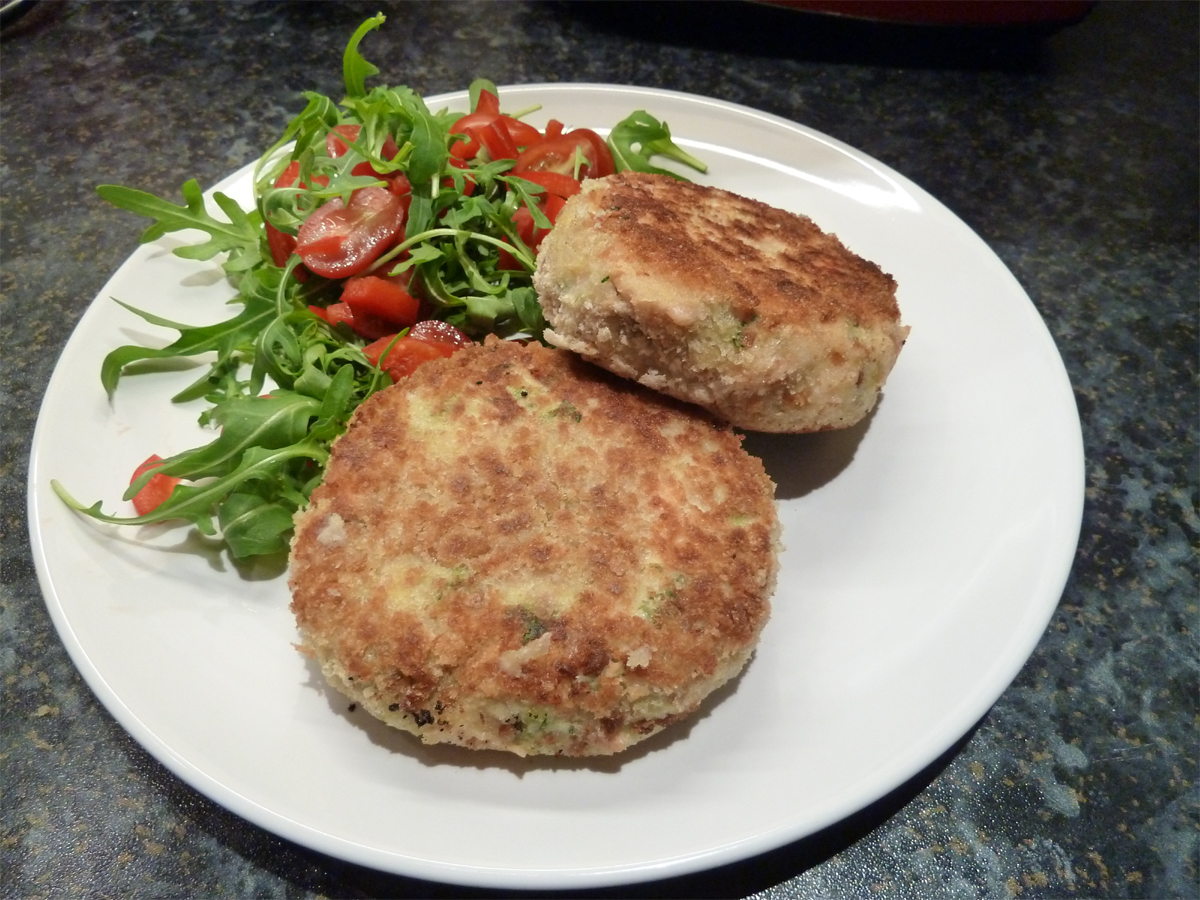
{"x":383,"y":235}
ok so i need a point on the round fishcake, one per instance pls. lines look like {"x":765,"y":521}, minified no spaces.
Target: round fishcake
{"x":751,"y":312}
{"x":513,"y":549}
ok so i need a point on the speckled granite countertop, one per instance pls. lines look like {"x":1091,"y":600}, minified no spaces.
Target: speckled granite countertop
{"x":1075,"y":159}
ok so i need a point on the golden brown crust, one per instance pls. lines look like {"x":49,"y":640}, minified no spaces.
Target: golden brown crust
{"x":772,"y":264}
{"x":749,"y":311}
{"x":513,"y":549}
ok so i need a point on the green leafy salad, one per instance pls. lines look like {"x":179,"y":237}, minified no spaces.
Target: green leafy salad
{"x":383,"y":235}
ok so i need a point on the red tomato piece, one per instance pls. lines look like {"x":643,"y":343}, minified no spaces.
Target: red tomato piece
{"x":529,"y":233}
{"x":468,"y":125}
{"x":405,"y":356}
{"x":508,"y":262}
{"x":552,"y":206}
{"x":495,"y":137}
{"x":438,"y":332}
{"x":502,"y":135}
{"x":554,"y":128}
{"x":430,"y":339}
{"x":335,"y":146}
{"x":281,"y":243}
{"x":557,"y":154}
{"x":555,"y":184}
{"x":363,"y":324}
{"x":523,"y":135}
{"x":374,"y":296}
{"x":338,"y":241}
{"x":468,"y":182}
{"x":337,"y":313}
{"x":289,"y":175}
{"x":487,"y":103}
{"x":603,"y":159}
{"x":399,"y":185}
{"x":156,"y":491}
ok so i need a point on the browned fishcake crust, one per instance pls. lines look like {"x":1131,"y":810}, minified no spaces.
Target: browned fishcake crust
{"x":749,"y":311}
{"x":513,"y":549}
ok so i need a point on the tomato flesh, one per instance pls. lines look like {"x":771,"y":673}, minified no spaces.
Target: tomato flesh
{"x":487,"y":103}
{"x":363,"y":324}
{"x":374,"y":296}
{"x":338,"y":241}
{"x":522,"y":134}
{"x":487,"y":127}
{"x":563,"y":186}
{"x":497,"y":140}
{"x":280,"y":243}
{"x":438,"y":332}
{"x":406,"y":355}
{"x":430,"y":339}
{"x":156,"y":491}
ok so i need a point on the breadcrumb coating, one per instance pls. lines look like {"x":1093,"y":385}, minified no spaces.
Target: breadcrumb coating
{"x":749,"y":311}
{"x":514,"y":550}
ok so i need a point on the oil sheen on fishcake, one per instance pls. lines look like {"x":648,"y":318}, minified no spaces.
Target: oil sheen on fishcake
{"x":749,"y":311}
{"x":513,"y":549}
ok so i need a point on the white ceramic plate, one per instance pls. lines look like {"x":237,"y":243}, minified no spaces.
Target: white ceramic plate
{"x":925,"y":552}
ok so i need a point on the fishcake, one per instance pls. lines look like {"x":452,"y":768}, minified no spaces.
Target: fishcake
{"x":749,"y":311}
{"x":513,"y":549}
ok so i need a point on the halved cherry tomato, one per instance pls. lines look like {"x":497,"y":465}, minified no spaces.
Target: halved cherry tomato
{"x":338,"y":241}
{"x":374,"y":296}
{"x":431,"y":339}
{"x":436,"y":331}
{"x":156,"y":491}
{"x":557,"y":154}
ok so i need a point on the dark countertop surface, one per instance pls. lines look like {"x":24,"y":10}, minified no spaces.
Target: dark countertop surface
{"x":1073,"y":156}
